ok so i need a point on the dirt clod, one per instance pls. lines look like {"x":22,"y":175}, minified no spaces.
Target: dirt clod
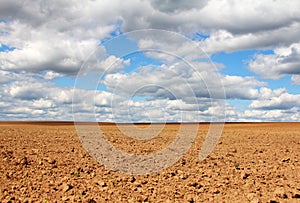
{"x":280,"y":192}
{"x":296,"y":194}
{"x":244,"y":175}
{"x":102,"y":184}
{"x":66,"y":187}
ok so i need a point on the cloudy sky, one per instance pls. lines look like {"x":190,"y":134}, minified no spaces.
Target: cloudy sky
{"x":158,"y":60}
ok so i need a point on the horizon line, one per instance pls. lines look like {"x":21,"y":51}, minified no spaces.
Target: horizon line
{"x":134,"y":123}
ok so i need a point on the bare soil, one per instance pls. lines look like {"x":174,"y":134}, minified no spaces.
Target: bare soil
{"x":253,"y":162}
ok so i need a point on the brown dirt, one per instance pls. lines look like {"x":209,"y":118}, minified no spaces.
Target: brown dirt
{"x":254,"y":162}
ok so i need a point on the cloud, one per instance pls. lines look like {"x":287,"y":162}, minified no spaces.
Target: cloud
{"x":233,"y":113}
{"x":49,"y":75}
{"x":58,"y":36}
{"x":285,"y":60}
{"x":42,"y":103}
{"x":247,"y":16}
{"x":223,"y":40}
{"x":204,"y":81}
{"x":171,"y":6}
{"x":238,"y":87}
{"x":235,"y":26}
{"x":34,"y":98}
{"x":296,"y":79}
{"x":278,"y":99}
{"x":236,"y":17}
{"x":51,"y":39}
{"x":60,"y":55}
{"x":6,"y":76}
{"x":27,"y":90}
{"x":50,"y":36}
{"x":62,"y":16}
{"x":41,"y":100}
{"x":271,"y":115}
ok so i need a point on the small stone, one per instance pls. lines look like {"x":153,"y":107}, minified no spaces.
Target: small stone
{"x":142,"y":198}
{"x":102,"y":184}
{"x":251,"y":196}
{"x":51,"y":161}
{"x":234,"y":150}
{"x":229,"y":155}
{"x":64,"y":179}
{"x":183,"y":176}
{"x":91,"y":201}
{"x":24,"y":161}
{"x":296,"y":194}
{"x":285,"y":160}
{"x":279,"y":192}
{"x":244,"y":175}
{"x":67,"y":187}
{"x":144,"y":182}
{"x":216,"y":191}
{"x":190,"y":198}
{"x":34,"y":151}
{"x":195,"y":185}
{"x":27,"y":200}
{"x":132,"y":179}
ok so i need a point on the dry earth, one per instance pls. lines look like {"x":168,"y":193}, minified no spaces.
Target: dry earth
{"x":253,"y":162}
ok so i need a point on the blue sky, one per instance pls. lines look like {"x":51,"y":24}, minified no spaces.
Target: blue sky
{"x":47,"y":57}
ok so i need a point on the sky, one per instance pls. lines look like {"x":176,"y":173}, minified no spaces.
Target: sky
{"x":150,"y":61}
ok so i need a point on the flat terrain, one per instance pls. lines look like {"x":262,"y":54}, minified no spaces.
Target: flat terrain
{"x":253,"y":162}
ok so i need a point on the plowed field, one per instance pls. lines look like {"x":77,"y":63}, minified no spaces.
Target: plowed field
{"x":253,"y":162}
